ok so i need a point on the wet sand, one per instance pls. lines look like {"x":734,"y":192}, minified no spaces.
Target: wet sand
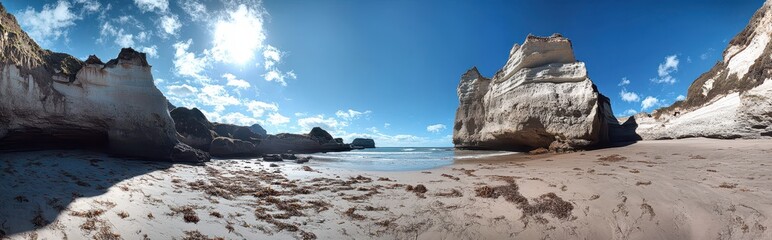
{"x":671,"y":189}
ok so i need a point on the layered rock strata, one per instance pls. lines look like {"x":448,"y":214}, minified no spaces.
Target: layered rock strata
{"x":542,"y":97}
{"x":732,"y":100}
{"x":53,"y":99}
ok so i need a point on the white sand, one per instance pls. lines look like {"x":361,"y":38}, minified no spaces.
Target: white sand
{"x":675,"y":189}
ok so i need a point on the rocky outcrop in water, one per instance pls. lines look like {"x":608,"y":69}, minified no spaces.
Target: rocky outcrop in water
{"x":228,"y":140}
{"x":732,"y":100}
{"x":542,"y":97}
{"x":317,"y":140}
{"x":363,"y":142}
{"x":53,"y":99}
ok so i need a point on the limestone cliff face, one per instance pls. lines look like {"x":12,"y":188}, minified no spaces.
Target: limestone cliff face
{"x":54,"y":98}
{"x":732,"y":100}
{"x":542,"y":97}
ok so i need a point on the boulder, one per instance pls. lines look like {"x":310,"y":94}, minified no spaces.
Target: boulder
{"x":257,"y":129}
{"x":55,"y":98}
{"x":363,"y":142}
{"x":318,"y":140}
{"x":193,"y":127}
{"x":238,"y":132}
{"x":542,"y":97}
{"x":229,"y":147}
{"x":732,"y":100}
{"x":320,"y":135}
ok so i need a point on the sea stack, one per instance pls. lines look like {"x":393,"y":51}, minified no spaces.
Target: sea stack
{"x":732,"y":100}
{"x":363,"y":142}
{"x":541,"y":98}
{"x":54,"y":99}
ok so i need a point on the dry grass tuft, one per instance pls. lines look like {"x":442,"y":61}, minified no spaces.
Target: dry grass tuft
{"x":696,"y":157}
{"x":39,"y":221}
{"x":215,"y":214}
{"x":644,"y":183}
{"x":549,"y":203}
{"x":105,"y":233}
{"x":420,"y":188}
{"x":451,"y":177}
{"x":351,"y":213}
{"x":188,"y":213}
{"x":123,"y":214}
{"x":21,"y":198}
{"x":307,"y":235}
{"x":728,"y":185}
{"x":89,"y":225}
{"x":485,"y":192}
{"x":88,"y":214}
{"x":196,"y":235}
{"x":613,"y":158}
{"x":546,"y":203}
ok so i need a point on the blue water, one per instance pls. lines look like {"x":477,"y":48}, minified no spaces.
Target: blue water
{"x":398,"y":158}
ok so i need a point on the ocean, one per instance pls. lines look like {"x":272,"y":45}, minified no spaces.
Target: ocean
{"x":399,"y":158}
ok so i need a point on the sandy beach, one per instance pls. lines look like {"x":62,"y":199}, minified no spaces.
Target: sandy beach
{"x":671,"y":189}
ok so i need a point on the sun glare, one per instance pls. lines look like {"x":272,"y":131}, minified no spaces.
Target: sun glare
{"x":238,"y":36}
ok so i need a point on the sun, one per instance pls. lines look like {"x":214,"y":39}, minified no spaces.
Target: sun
{"x":238,"y":36}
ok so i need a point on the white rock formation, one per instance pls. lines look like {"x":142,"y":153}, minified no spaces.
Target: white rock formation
{"x":541,"y":98}
{"x":732,"y":100}
{"x":54,"y":99}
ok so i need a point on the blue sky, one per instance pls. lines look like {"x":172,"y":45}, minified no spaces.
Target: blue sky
{"x":382,"y":69}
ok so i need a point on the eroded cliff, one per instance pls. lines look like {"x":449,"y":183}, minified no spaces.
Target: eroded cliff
{"x":542,"y":97}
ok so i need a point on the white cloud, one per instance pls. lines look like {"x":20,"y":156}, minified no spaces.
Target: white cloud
{"x":235,"y":82}
{"x":122,"y":37}
{"x":124,"y":40}
{"x":170,"y":24}
{"x":151,"y":51}
{"x":629,"y":96}
{"x":50,"y":23}
{"x":680,"y":98}
{"x":236,"y":118}
{"x":650,"y":102}
{"x":665,"y":69}
{"x":183,"y":90}
{"x":271,"y":55}
{"x":152,"y":5}
{"x":238,"y":36}
{"x":351,"y":114}
{"x":320,"y":121}
{"x":195,"y":9}
{"x":277,"y":119}
{"x":89,"y":5}
{"x":628,"y":112}
{"x":277,"y":76}
{"x":186,"y":63}
{"x":435,"y":128}
{"x":217,"y":96}
{"x":624,"y":81}
{"x":259,"y":108}
{"x":300,"y":114}
{"x":386,"y":125}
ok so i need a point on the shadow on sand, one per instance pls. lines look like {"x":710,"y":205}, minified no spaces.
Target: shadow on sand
{"x":620,"y":135}
{"x":36,"y":187}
